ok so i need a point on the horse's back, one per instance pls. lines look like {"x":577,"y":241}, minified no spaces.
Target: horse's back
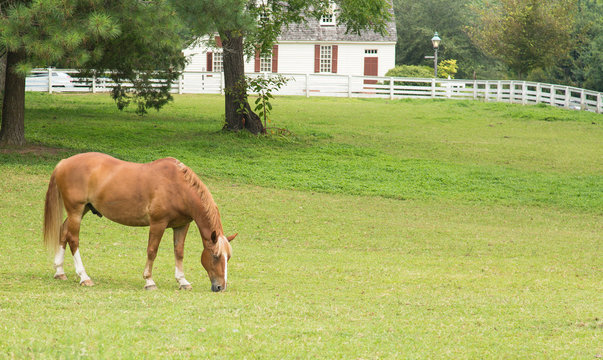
{"x":122,"y":191}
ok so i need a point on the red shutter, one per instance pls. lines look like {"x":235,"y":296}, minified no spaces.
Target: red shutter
{"x":334,"y":59}
{"x":257,"y":61}
{"x":316,"y":58}
{"x":210,"y":61}
{"x":275,"y":58}
{"x":218,"y":41}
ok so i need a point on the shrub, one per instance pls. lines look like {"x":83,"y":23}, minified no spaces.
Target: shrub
{"x":447,"y":68}
{"x":413,"y":71}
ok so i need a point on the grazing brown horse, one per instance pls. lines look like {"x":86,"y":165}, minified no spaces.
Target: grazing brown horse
{"x":162,"y":194}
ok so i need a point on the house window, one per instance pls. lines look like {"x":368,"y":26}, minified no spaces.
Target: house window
{"x":266,"y":63}
{"x":326,"y":58}
{"x":264,"y":18}
{"x":218,"y":64}
{"x":370,"y":51}
{"x":328,"y":19}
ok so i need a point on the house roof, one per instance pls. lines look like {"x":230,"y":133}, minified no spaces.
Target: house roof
{"x":311,"y":30}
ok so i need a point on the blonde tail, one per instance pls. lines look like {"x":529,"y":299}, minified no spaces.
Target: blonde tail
{"x":53,"y":215}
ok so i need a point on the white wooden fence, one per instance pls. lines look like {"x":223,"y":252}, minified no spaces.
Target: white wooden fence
{"x":197,"y":82}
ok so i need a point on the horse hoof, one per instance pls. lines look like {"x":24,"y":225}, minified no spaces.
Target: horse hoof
{"x":151,"y":287}
{"x":186,"y":287}
{"x":87,"y":283}
{"x":60,"y":277}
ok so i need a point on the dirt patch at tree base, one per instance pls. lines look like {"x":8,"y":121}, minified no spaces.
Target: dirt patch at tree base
{"x":29,"y":149}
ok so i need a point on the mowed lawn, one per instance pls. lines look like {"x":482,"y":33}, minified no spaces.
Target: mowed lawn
{"x":377,"y":229}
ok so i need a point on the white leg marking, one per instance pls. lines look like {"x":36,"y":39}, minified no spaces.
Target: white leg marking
{"x":225,"y":269}
{"x":59,"y":258}
{"x":149,"y":283}
{"x":180,"y":278}
{"x":79,"y":266}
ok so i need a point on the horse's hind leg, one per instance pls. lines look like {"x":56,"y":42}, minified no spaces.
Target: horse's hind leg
{"x":179,"y":237}
{"x":59,"y":257}
{"x":74,"y":219}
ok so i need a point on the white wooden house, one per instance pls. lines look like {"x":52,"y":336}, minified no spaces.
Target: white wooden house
{"x":318,"y":46}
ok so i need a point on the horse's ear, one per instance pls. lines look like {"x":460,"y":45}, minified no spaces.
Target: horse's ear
{"x":214,"y":237}
{"x":231,"y":237}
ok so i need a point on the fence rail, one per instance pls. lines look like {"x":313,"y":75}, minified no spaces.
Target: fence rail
{"x":197,"y":82}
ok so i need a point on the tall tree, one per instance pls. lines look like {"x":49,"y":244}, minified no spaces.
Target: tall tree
{"x":582,"y":66}
{"x":249,"y":25}
{"x":2,"y":71}
{"x":82,"y":34}
{"x":524,"y":34}
{"x":417,"y":21}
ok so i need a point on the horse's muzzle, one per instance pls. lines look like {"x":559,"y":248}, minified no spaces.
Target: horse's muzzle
{"x":217,"y":288}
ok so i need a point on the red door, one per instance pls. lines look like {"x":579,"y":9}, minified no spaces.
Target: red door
{"x":371,"y":68}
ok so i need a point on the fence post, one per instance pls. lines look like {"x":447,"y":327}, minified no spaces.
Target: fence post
{"x":487,"y":91}
{"x":538,"y":93}
{"x":93,"y":84}
{"x":474,"y":89}
{"x":49,"y":80}
{"x":307,"y":85}
{"x":433,"y":88}
{"x":599,"y":104}
{"x":568,"y":93}
{"x":499,"y":91}
{"x":582,"y":100}
{"x":349,"y":86}
{"x":391,"y":88}
{"x":524,"y":93}
{"x":512,"y":92}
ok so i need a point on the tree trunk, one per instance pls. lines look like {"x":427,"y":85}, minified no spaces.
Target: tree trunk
{"x":12,"y":132}
{"x":237,"y":110}
{"x":2,"y":73}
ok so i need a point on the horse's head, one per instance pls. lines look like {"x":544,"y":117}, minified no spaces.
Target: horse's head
{"x":215,"y":256}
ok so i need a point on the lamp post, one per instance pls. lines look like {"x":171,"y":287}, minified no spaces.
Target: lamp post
{"x":435,"y":40}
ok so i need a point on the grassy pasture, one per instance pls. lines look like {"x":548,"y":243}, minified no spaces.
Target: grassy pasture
{"x":379,"y":229}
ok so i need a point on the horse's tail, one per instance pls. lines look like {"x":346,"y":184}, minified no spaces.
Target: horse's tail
{"x":53,"y":215}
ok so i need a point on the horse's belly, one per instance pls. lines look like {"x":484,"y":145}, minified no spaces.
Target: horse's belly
{"x":123,"y":212}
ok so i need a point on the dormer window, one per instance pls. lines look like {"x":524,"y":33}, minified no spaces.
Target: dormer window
{"x":328,"y":19}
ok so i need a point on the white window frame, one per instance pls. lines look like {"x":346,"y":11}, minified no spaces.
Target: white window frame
{"x":266,"y":63}
{"x":329,"y":19}
{"x":218,"y":61}
{"x":326,"y":59}
{"x":370,"y":51}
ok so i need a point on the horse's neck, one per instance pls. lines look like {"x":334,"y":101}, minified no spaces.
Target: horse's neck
{"x":206,"y":216}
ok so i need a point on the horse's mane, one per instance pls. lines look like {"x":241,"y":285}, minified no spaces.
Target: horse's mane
{"x":209,"y":207}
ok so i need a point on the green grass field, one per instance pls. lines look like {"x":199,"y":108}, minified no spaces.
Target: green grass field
{"x":378,"y":229}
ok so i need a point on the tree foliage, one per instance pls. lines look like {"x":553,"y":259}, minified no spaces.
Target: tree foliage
{"x":524,"y":34}
{"x":416,"y":22}
{"x":135,"y":40}
{"x":582,"y":66}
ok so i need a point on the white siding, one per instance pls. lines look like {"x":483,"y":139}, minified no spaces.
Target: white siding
{"x":351,"y":58}
{"x":298,"y":58}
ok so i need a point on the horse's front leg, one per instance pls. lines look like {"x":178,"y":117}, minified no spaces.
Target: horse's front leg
{"x":155,"y":234}
{"x":179,"y":237}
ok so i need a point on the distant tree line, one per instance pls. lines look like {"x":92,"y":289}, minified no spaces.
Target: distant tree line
{"x":557,"y":41}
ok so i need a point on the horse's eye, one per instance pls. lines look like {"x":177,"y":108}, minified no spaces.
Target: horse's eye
{"x":216,"y":257}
